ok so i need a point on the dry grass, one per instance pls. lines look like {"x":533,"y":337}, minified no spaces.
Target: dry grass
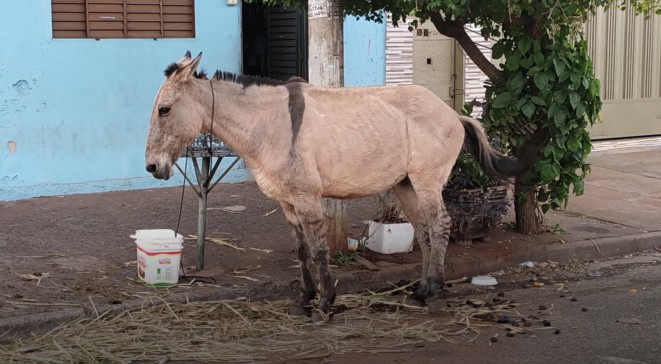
{"x":240,"y":331}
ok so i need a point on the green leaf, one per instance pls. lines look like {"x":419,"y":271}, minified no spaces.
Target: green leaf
{"x":516,"y":83}
{"x":534,"y":70}
{"x":538,"y":101}
{"x":502,"y":100}
{"x":574,"y":99}
{"x":512,"y":62}
{"x":560,"y":96}
{"x":575,"y":79}
{"x":564,"y":76}
{"x":541,"y":80}
{"x":579,"y":187}
{"x":539,"y":59}
{"x":528,"y":110}
{"x":595,"y":85}
{"x":573,"y":144}
{"x":586,"y":83}
{"x":542,"y":197}
{"x":580,"y":110}
{"x":547,"y":174}
{"x":545,"y":208}
{"x":524,"y":45}
{"x":527,"y":62}
{"x":559,"y":66}
{"x":549,"y":150}
{"x":559,"y":118}
{"x":498,"y":50}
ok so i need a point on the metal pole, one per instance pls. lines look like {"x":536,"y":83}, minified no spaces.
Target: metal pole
{"x":202,"y":211}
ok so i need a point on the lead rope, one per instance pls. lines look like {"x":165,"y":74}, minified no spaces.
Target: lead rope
{"x":183,"y":190}
{"x":209,"y":139}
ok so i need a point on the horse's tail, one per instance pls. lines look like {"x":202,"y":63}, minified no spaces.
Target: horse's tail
{"x":494,"y":163}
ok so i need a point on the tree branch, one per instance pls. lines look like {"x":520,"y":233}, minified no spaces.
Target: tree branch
{"x":455,"y":29}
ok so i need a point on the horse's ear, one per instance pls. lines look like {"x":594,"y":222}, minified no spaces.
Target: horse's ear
{"x":196,"y":61}
{"x":187,"y":68}
{"x":187,"y":55}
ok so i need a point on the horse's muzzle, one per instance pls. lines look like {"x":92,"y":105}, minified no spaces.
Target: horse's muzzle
{"x":164,"y":172}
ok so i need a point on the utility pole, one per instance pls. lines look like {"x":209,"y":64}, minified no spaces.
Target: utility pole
{"x":326,"y":69}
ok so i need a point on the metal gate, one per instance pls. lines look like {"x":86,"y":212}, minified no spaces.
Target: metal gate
{"x":287,"y":43}
{"x":626,"y":52}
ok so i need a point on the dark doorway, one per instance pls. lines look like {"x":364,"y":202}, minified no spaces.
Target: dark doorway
{"x":274,"y":41}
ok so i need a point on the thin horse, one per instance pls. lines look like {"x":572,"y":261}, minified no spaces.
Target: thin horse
{"x":303,"y":143}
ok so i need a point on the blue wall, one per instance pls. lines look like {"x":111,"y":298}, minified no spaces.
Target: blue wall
{"x":77,"y":109}
{"x":364,"y":53}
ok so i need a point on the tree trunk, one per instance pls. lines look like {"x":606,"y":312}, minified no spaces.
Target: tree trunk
{"x":526,"y":209}
{"x":326,"y":69}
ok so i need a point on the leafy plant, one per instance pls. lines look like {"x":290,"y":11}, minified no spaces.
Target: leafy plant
{"x":341,"y":259}
{"x":550,"y":85}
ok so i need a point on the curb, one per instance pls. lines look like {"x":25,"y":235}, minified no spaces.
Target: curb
{"x":458,"y":267}
{"x":599,"y":248}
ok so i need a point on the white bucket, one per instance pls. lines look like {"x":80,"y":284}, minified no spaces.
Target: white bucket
{"x":159,"y":256}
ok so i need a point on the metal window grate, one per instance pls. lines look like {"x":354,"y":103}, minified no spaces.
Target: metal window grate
{"x":123,"y":18}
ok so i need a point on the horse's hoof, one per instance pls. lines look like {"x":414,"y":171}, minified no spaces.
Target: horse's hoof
{"x":299,"y":311}
{"x":414,"y":301}
{"x":436,"y":305}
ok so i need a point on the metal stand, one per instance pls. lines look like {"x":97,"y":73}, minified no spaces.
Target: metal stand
{"x":205,"y":148}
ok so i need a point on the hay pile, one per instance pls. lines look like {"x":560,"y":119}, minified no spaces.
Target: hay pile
{"x":240,"y":331}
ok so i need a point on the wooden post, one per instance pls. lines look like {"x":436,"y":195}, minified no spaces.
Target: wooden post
{"x":326,"y":69}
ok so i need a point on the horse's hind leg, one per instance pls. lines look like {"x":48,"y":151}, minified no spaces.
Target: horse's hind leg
{"x":303,"y":255}
{"x":437,"y":223}
{"x":440,"y":237}
{"x":310,"y":214}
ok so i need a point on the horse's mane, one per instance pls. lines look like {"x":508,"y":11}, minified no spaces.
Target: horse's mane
{"x":244,"y":80}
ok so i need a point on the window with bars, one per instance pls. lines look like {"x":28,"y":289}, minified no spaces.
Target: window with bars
{"x":123,"y":18}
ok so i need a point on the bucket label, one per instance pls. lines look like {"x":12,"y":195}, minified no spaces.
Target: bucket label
{"x":158,"y":264}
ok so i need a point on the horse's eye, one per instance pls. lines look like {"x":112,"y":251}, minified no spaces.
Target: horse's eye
{"x":163,"y":111}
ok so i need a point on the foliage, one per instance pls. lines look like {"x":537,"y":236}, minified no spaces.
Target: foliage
{"x":341,"y":259}
{"x":551,"y":85}
{"x":467,"y":175}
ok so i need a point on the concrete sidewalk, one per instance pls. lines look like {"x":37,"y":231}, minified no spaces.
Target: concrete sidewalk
{"x":61,"y":254}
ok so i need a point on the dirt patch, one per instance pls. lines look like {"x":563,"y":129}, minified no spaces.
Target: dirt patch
{"x":79,"y":245}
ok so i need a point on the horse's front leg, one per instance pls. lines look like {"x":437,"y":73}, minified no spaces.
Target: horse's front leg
{"x":305,"y":262}
{"x":310,"y":214}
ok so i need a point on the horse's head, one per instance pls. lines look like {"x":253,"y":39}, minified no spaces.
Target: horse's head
{"x":176,"y":118}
